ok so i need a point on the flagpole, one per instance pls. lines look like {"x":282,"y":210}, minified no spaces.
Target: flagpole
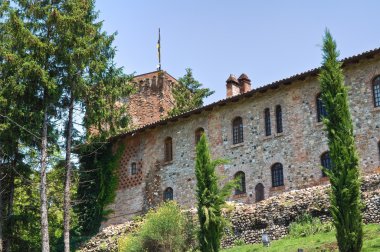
{"x":159,"y":50}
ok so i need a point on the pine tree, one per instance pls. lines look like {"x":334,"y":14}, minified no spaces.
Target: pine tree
{"x":345,"y":199}
{"x":188,"y":94}
{"x":210,"y":198}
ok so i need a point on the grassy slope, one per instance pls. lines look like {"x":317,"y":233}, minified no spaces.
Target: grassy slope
{"x":317,"y":242}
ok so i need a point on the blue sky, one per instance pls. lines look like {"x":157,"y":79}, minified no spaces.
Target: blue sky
{"x":268,"y":40}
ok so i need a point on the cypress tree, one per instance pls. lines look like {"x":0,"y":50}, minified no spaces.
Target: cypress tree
{"x":210,"y":198}
{"x":344,"y":176}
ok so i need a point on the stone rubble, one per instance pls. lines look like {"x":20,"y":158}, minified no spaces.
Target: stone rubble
{"x":272,"y":215}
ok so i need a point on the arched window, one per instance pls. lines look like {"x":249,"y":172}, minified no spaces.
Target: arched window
{"x":168,"y":194}
{"x":241,"y":183}
{"x":168,"y":149}
{"x":133,"y":168}
{"x":237,"y":130}
{"x":198,"y":134}
{"x":321,"y":110}
{"x":268,"y":131}
{"x":326,"y":162}
{"x":278,"y":119}
{"x":277,"y":175}
{"x":376,"y":91}
{"x":259,"y":192}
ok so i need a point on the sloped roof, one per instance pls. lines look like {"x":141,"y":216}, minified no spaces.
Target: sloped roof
{"x":274,"y":85}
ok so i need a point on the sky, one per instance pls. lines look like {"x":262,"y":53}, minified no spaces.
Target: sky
{"x":268,"y":40}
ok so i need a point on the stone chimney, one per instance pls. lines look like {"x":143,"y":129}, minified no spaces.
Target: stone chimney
{"x":233,"y":86}
{"x":245,"y":83}
{"x":238,"y":86}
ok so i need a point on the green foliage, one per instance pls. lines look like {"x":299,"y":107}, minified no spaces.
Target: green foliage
{"x":320,"y":242}
{"x":97,"y":185}
{"x":239,"y":242}
{"x":210,"y":198}
{"x":306,"y":225}
{"x":162,"y":230}
{"x":188,"y":94}
{"x":345,"y":199}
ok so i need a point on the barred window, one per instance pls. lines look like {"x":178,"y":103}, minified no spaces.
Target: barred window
{"x":277,"y":175}
{"x":133,"y":168}
{"x":259,"y":192}
{"x":378,"y":147}
{"x":198,"y":134}
{"x":376,"y":91}
{"x":240,"y":189}
{"x":237,"y":130}
{"x":321,"y":110}
{"x":168,"y":194}
{"x":278,"y":119}
{"x":326,"y":162}
{"x":168,"y":149}
{"x":268,"y":131}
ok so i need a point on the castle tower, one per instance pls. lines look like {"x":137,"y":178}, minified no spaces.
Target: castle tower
{"x":153,"y":98}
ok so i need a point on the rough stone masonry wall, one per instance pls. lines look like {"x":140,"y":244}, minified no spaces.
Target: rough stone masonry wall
{"x":298,"y":148}
{"x":272,"y":215}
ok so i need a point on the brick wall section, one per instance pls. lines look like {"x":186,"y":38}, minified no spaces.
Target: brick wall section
{"x":298,"y":148}
{"x":153,"y":98}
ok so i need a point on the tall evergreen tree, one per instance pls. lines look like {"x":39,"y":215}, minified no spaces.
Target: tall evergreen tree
{"x":345,"y":199}
{"x":188,"y":94}
{"x":210,"y":198}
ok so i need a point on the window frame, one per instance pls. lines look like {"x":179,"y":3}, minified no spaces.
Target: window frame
{"x":376,"y":91}
{"x":198,"y":134}
{"x":267,"y":122}
{"x":277,"y":171}
{"x":321,"y":109}
{"x":262,"y":193}
{"x":168,"y":191}
{"x":133,"y":168}
{"x":279,"y":125}
{"x":168,"y":149}
{"x":326,"y":162}
{"x":242,"y":183}
{"x":237,"y":130}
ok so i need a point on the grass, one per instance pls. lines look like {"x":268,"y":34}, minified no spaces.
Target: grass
{"x":313,"y":243}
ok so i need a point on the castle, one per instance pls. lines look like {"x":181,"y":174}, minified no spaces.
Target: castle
{"x":272,"y":135}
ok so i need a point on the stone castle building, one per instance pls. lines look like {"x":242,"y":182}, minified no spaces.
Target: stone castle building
{"x":272,"y":135}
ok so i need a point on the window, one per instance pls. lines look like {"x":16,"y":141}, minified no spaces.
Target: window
{"x":326,"y":162}
{"x":168,"y":149}
{"x":259,"y":192}
{"x":321,"y":110}
{"x":198,"y":134}
{"x":278,"y":119}
{"x":277,"y":175}
{"x":241,"y":183}
{"x":376,"y":91}
{"x":267,"y":122}
{"x":133,"y":168}
{"x":168,"y":194}
{"x":378,"y":147}
{"x":237,"y":130}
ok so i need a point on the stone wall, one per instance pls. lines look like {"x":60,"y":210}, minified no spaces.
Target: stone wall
{"x":298,"y":148}
{"x":272,"y":215}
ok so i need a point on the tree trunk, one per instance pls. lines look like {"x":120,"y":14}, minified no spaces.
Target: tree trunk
{"x":1,"y":209}
{"x":9,"y":236}
{"x":66,"y":204}
{"x":43,"y":187}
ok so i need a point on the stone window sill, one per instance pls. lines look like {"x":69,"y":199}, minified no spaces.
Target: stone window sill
{"x":319,"y":124}
{"x":237,"y":145}
{"x":167,"y":162}
{"x":376,"y":109}
{"x":277,"y":188}
{"x":264,"y":138}
{"x":279,"y":134}
{"x":324,"y":179}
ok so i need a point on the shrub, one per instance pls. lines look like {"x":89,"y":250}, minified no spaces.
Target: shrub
{"x":162,"y":230}
{"x":239,"y":242}
{"x":306,"y":225}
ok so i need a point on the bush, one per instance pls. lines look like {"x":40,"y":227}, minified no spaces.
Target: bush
{"x":162,"y":230}
{"x":239,"y":242}
{"x":306,"y":225}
